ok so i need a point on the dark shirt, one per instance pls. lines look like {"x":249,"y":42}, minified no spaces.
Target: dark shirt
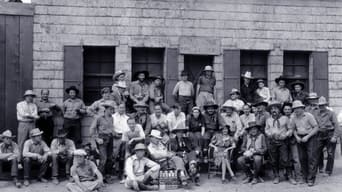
{"x":212,"y":122}
{"x":206,"y":84}
{"x":195,"y":125}
{"x":248,"y":93}
{"x":299,"y":96}
{"x":181,"y":144}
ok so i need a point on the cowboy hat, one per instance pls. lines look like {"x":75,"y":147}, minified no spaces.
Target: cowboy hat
{"x":156,"y":133}
{"x":322,"y":101}
{"x":234,"y":91}
{"x":297,"y":104}
{"x":247,"y":75}
{"x":7,"y":134}
{"x":208,"y":68}
{"x":274,"y":104}
{"x":80,"y":152}
{"x":117,"y":74}
{"x":72,"y":88}
{"x":140,"y":104}
{"x":121,"y":84}
{"x":228,"y":104}
{"x":109,"y":103}
{"x":210,"y":104}
{"x":146,"y":73}
{"x":62,"y":133}
{"x":35,"y":132}
{"x":260,"y":102}
{"x":153,"y":78}
{"x":312,"y":95}
{"x":297,"y":82}
{"x":280,"y":78}
{"x":29,"y":93}
{"x":184,"y":73}
{"x":139,"y":146}
{"x":252,"y":124}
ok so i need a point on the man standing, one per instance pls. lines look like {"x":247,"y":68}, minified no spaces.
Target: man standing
{"x":85,"y":174}
{"x":298,"y":92}
{"x":247,"y":89}
{"x":280,"y":93}
{"x":206,"y":87}
{"x":46,"y":110}
{"x":27,"y":114}
{"x":102,"y":130}
{"x":305,"y":129}
{"x":139,"y":90}
{"x":278,"y":133}
{"x":311,"y":105}
{"x":73,"y":109}
{"x":183,"y":92}
{"x":328,"y":133}
{"x":157,"y":94}
{"x":9,"y":155}
{"x":261,"y":114}
{"x":97,"y":109}
{"x":138,"y":177}
{"x":142,"y":117}
{"x":62,"y":150}
{"x":35,"y":152}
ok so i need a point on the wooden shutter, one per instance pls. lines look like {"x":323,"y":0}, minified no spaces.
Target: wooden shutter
{"x":73,"y":68}
{"x":172,"y":73}
{"x":2,"y":73}
{"x":320,"y":73}
{"x":231,"y":69}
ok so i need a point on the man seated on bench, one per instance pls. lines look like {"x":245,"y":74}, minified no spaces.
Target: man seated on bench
{"x":159,"y":153}
{"x":138,"y":177}
{"x":9,"y":154}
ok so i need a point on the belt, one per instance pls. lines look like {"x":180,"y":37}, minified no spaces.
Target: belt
{"x":26,"y":121}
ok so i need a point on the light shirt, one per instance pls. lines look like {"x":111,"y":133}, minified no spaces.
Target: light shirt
{"x":237,"y":103}
{"x":32,"y":149}
{"x":303,"y":124}
{"x":25,"y":109}
{"x":234,"y":122}
{"x":120,"y":123}
{"x":174,"y":122}
{"x":7,"y":151}
{"x":86,"y":172}
{"x":68,"y":146}
{"x":71,"y":107}
{"x":281,"y":95}
{"x":183,"y":88}
{"x":157,"y":151}
{"x":245,"y":119}
{"x":43,"y":105}
{"x":327,"y":121}
{"x":277,"y":127}
{"x":138,"y":132}
{"x":264,"y":93}
{"x":96,"y":109}
{"x":155,"y":121}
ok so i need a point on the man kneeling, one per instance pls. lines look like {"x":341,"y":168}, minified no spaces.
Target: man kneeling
{"x":85,"y":174}
{"x":137,"y":178}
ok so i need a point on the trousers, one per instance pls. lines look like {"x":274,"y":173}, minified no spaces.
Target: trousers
{"x":308,"y":155}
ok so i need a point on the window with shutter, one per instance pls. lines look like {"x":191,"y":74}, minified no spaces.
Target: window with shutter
{"x":148,"y":59}
{"x":231,"y":68}
{"x":194,"y":65}
{"x":171,"y":73}
{"x":320,"y":73}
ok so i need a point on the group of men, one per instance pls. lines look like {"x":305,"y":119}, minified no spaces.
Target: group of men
{"x":134,"y":129}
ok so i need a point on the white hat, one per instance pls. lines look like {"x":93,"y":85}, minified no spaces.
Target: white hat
{"x":80,"y":152}
{"x":297,"y":104}
{"x":121,"y":84}
{"x":7,"y":134}
{"x":322,"y":101}
{"x":156,"y":133}
{"x":247,"y":75}
{"x":208,"y":68}
{"x":228,"y":104}
{"x":29,"y":93}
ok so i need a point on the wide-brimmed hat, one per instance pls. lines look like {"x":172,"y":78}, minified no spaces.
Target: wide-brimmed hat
{"x":62,"y":133}
{"x":7,"y":134}
{"x":228,"y":104}
{"x":139,"y":146}
{"x":156,"y":133}
{"x":117,"y":74}
{"x":322,"y":101}
{"x":196,"y":108}
{"x":180,"y":129}
{"x":280,"y":78}
{"x":210,"y":104}
{"x":146,"y":73}
{"x":297,"y":104}
{"x":261,"y":81}
{"x":29,"y":93}
{"x":109,"y":103}
{"x":247,"y":75}
{"x":105,"y":90}
{"x":80,"y":152}
{"x":35,"y":132}
{"x":184,"y":73}
{"x":140,"y":104}
{"x":72,"y":88}
{"x":274,"y":104}
{"x":260,"y":102}
{"x":252,"y":124}
{"x":121,"y":84}
{"x":208,"y":68}
{"x":312,"y":95}
{"x":234,"y":91}
{"x":297,"y":82}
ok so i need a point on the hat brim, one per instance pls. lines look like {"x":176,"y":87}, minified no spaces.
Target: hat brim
{"x":311,"y":98}
{"x":140,"y":149}
{"x":158,"y":137}
{"x":297,"y":83}
{"x":278,"y":105}
{"x":6,"y":136}
{"x":72,"y":88}
{"x":296,"y":107}
{"x":326,"y":103}
{"x":264,"y":103}
{"x":37,"y":134}
{"x":208,"y":106}
{"x":243,"y":76}
{"x":279,"y":79}
{"x":255,"y":126}
{"x":33,"y":95}
{"x":115,"y":76}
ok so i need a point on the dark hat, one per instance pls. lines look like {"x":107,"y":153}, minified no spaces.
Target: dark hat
{"x":146,"y":73}
{"x":297,"y":82}
{"x":157,"y":77}
{"x":72,"y":88}
{"x":252,"y":124}
{"x":280,"y":78}
{"x":210,"y":104}
{"x":260,"y":102}
{"x":62,"y":133}
{"x":274,"y":104}
{"x":180,"y":129}
{"x":184,"y":73}
{"x":140,"y":104}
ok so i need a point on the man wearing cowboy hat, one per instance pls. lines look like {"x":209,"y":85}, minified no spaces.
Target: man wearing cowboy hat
{"x":102,"y":131}
{"x":61,"y":152}
{"x":247,"y":88}
{"x":311,"y":105}
{"x":139,"y":89}
{"x":206,"y":87}
{"x":184,"y":92}
{"x":86,"y":176}
{"x":176,"y":118}
{"x":9,"y":155}
{"x":27,"y":114}
{"x":277,"y":132}
{"x":261,"y":113}
{"x":120,"y":93}
{"x":142,"y":117}
{"x":138,"y":177}
{"x":231,"y":118}
{"x":162,"y":155}
{"x":35,"y":152}
{"x":328,"y":133}
{"x":46,"y":111}
{"x":235,"y":100}
{"x":156,"y":92}
{"x":305,"y":129}
{"x":298,"y":92}
{"x":184,"y":148}
{"x":280,"y":93}
{"x":73,"y":109}
{"x":97,"y":109}
{"x":253,"y":149}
